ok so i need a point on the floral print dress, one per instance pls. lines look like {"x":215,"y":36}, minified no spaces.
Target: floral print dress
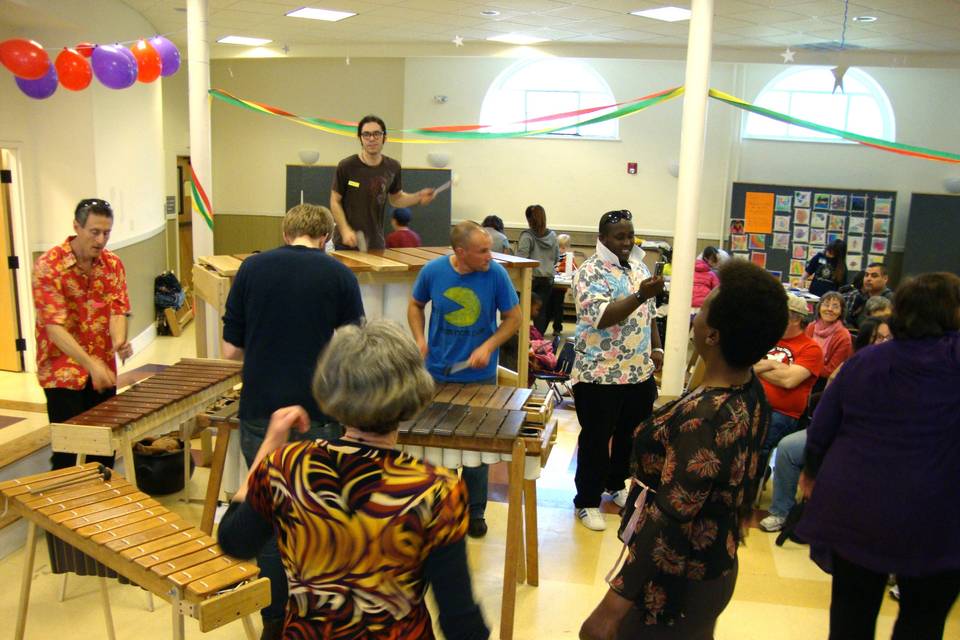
{"x":699,"y":456}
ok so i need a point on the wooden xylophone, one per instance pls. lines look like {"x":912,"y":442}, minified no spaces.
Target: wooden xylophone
{"x":126,"y":530}
{"x":173,"y":396}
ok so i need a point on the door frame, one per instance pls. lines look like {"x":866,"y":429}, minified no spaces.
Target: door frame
{"x":21,"y":247}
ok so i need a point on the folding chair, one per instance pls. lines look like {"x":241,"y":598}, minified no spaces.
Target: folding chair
{"x":558,"y":378}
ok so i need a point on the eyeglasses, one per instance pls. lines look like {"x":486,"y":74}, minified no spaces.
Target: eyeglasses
{"x":613,"y":217}
{"x":371,"y":135}
{"x":877,"y":339}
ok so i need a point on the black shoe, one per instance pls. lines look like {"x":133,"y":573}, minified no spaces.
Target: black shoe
{"x":477,"y":528}
{"x":272,"y":629}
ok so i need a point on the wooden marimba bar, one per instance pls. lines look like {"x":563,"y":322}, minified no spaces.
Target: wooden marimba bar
{"x":141,"y":540}
{"x":467,"y":425}
{"x":172,"y":396}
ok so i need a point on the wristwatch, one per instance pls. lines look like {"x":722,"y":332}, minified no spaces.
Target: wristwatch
{"x":657,"y":350}
{"x":639,"y":297}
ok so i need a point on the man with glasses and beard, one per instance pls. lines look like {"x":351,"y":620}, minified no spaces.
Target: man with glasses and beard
{"x":362,"y":185}
{"x":618,"y":349}
{"x":80,"y":296}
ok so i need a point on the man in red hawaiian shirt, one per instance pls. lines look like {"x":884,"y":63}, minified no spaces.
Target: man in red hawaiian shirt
{"x":80,"y":295}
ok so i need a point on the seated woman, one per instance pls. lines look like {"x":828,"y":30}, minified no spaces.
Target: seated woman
{"x":363,"y":529}
{"x":830,"y":335}
{"x":878,"y":307}
{"x":704,"y":278}
{"x":697,"y":469}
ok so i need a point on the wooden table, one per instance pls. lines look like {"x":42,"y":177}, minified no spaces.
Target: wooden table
{"x":386,"y":278}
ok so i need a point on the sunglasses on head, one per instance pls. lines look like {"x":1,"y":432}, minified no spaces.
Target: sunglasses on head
{"x":93,"y":203}
{"x":613,"y":217}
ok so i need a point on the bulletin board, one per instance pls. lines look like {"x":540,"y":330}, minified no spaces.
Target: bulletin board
{"x":780,"y":227}
{"x":431,"y":222}
{"x":932,"y":233}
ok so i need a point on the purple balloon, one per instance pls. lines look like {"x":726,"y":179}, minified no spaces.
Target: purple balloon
{"x":114,"y":66}
{"x":41,"y":88}
{"x":169,"y":55}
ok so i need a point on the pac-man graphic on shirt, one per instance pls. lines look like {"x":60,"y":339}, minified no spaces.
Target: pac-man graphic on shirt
{"x":469,"y":312}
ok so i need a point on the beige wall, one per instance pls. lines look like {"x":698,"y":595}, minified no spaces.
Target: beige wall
{"x":246,"y":233}
{"x":143,"y":262}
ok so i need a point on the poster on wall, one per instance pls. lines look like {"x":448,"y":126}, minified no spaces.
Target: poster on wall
{"x":758,"y":212}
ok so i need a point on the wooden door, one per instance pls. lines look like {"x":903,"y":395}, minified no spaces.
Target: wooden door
{"x":11,"y":358}
{"x":185,"y":222}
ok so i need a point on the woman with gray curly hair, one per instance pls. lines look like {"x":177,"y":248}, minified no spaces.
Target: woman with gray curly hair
{"x":363,"y":528}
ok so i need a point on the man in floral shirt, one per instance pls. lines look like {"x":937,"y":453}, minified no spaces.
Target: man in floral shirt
{"x":80,"y":295}
{"x":618,"y":349}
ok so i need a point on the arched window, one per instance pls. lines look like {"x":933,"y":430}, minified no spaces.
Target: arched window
{"x":534,"y":88}
{"x":807,"y":93}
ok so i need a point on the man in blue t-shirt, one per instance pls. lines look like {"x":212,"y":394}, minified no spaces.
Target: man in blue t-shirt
{"x":282,"y":310}
{"x":465,"y":291}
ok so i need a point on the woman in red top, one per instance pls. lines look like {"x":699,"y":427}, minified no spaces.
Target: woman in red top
{"x":830,"y":335}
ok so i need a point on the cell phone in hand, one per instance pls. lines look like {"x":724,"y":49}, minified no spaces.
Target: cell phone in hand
{"x":658,"y":269}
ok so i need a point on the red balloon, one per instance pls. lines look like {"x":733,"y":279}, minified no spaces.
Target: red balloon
{"x":24,"y":58}
{"x":73,"y":70}
{"x":148,"y":61}
{"x":85,"y":49}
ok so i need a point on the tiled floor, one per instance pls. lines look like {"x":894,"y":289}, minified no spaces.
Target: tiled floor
{"x":780,"y":594}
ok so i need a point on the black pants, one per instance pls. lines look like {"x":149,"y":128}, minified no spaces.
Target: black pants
{"x":63,"y":404}
{"x":857,"y":593}
{"x":555,"y":308}
{"x":608,"y":414}
{"x":542,"y":286}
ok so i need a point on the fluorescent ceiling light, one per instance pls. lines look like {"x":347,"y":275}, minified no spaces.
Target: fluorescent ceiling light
{"x":244,"y":40}
{"x":865,"y":19}
{"x":327,"y":15}
{"x":517,"y":38}
{"x":667,"y":14}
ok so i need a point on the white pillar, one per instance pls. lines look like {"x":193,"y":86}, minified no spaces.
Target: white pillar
{"x":697,"y":85}
{"x":198,"y":65}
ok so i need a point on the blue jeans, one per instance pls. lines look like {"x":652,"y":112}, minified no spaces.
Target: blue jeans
{"x":786,"y":473}
{"x":252,"y":433}
{"x":780,"y":425}
{"x":477,"y":479}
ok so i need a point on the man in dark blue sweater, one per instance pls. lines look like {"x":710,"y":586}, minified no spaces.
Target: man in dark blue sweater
{"x":282,"y":310}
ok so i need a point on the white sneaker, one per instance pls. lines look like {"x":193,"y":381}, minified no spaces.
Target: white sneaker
{"x":590,"y":518}
{"x":772,"y":523}
{"x":619,"y":497}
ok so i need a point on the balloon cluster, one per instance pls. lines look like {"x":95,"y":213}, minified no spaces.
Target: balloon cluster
{"x":115,"y":66}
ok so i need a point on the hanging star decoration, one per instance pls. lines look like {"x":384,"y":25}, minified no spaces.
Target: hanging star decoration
{"x":457,"y":41}
{"x":286,"y":49}
{"x":787,"y":55}
{"x":347,"y":61}
{"x":838,"y":73}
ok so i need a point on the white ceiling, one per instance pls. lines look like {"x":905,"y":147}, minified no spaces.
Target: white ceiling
{"x":921,"y":26}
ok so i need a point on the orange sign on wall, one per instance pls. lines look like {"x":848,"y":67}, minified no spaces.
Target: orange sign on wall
{"x":758,"y":213}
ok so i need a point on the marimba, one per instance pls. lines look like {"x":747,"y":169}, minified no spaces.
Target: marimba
{"x":173,"y":396}
{"x":112,"y":522}
{"x":472,"y":424}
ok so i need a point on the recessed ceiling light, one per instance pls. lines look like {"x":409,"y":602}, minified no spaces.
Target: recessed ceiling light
{"x":667,"y":14}
{"x":489,"y":13}
{"x":865,"y":19}
{"x":320,"y":14}
{"x":244,"y":40}
{"x":517,"y":38}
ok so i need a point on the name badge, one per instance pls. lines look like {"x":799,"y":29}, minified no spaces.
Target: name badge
{"x":351,"y":183}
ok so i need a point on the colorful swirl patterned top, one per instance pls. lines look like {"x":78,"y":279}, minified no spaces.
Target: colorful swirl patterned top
{"x":354,"y":525}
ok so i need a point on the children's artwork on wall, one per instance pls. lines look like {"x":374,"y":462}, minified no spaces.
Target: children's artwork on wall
{"x":855,"y":244}
{"x":801,"y":198}
{"x":821,"y":201}
{"x":833,"y":236}
{"x":875,"y":258}
{"x":837,"y":223}
{"x":815,"y":249}
{"x":741,"y":256}
{"x":784,"y":203}
{"x":878,"y":245}
{"x":736,"y":226}
{"x":838,"y":203}
{"x":797,"y":267}
{"x":781,"y":223}
{"x":858,"y":204}
{"x":800,"y":251}
{"x":801,"y":216}
{"x":856,"y":225}
{"x":796,"y":283}
{"x":854,"y":262}
{"x":881,"y":226}
{"x":819,"y":219}
{"x":801,"y":234}
{"x":781,"y":241}
{"x":882,"y":206}
{"x":738,"y":243}
{"x":777,"y":274}
{"x":818,"y":236}
{"x":758,"y":258}
{"x":758,"y":241}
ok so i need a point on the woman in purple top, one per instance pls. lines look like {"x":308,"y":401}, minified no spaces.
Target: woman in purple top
{"x":884,"y":447}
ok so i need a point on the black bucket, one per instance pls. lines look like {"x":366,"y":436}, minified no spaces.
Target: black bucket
{"x":160,"y":474}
